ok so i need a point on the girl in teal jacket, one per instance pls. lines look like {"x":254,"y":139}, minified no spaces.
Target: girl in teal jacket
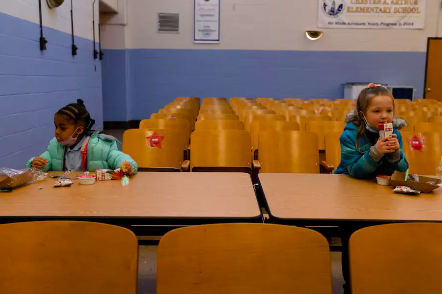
{"x":363,"y":155}
{"x":73,"y":149}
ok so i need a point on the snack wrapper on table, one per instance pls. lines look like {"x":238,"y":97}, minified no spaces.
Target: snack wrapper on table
{"x":108,"y":174}
{"x":406,"y":190}
{"x":63,"y":183}
{"x":13,"y":178}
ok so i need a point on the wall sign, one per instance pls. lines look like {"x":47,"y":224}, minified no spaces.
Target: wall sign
{"x":371,"y":14}
{"x":206,"y":21}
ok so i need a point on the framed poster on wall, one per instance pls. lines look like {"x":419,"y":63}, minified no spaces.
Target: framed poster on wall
{"x":206,"y":21}
{"x":372,"y":14}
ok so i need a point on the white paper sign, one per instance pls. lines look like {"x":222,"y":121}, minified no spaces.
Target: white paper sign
{"x":371,"y":14}
{"x":207,"y":15}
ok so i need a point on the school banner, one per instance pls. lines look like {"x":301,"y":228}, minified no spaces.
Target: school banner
{"x":371,"y":14}
{"x":206,"y":21}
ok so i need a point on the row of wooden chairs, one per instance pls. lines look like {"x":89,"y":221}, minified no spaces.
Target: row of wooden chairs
{"x":223,"y":150}
{"x":257,"y":123}
{"x":69,"y":257}
{"x":280,"y":149}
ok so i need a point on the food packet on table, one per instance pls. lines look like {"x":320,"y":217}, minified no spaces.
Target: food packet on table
{"x":108,"y":174}
{"x":406,"y":190}
{"x":13,"y":178}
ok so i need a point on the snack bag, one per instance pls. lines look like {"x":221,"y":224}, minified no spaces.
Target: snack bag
{"x":12,"y":178}
{"x":406,"y":190}
{"x":116,"y":174}
{"x":63,"y":183}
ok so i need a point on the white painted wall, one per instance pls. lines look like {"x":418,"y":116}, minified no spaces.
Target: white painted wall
{"x":267,"y":25}
{"x":56,"y":18}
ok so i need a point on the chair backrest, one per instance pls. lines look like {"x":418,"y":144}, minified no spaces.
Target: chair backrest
{"x":220,"y":149}
{"x":249,"y":113}
{"x":69,"y":257}
{"x":162,"y":123}
{"x":185,"y":113}
{"x":413,"y":120}
{"x":205,"y":125}
{"x":174,"y":114}
{"x":218,"y":117}
{"x":243,"y":258}
{"x":183,"y":105}
{"x":339,"y":115}
{"x":410,"y":127}
{"x":309,"y":106}
{"x":265,"y":125}
{"x":333,"y":148}
{"x":217,"y":111}
{"x":425,"y":161}
{"x":288,"y":152}
{"x":193,"y":101}
{"x":396,"y":258}
{"x":304,"y":120}
{"x":260,"y":116}
{"x":435,"y":119}
{"x":293,"y":101}
{"x":320,"y":128}
{"x":167,"y":154}
{"x":428,"y":127}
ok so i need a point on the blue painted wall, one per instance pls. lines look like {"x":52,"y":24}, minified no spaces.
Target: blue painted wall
{"x":114,"y":67}
{"x":34,"y":85}
{"x":156,"y":76}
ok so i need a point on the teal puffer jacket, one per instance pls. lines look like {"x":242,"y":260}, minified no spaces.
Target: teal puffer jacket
{"x":358,"y":163}
{"x":102,"y":153}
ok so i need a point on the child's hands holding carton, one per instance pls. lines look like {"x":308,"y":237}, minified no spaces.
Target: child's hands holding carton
{"x":388,"y":144}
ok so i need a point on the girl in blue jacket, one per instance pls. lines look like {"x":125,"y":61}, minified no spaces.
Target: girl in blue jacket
{"x":74,"y":149}
{"x":363,"y":154}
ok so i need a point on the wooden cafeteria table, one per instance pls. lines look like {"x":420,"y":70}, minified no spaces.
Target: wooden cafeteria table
{"x":319,"y":199}
{"x":149,"y":199}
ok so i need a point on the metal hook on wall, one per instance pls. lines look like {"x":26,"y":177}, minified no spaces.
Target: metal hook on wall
{"x":43,"y":40}
{"x":74,"y":47}
{"x":93,"y":26}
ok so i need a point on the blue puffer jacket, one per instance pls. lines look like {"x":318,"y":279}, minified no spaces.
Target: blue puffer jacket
{"x":360,"y":164}
{"x":102,"y":153}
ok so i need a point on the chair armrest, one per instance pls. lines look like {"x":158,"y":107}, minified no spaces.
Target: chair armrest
{"x":328,"y":168}
{"x":256,"y":165}
{"x":255,"y":154}
{"x":185,"y":166}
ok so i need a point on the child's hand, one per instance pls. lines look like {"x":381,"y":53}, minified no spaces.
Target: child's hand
{"x":39,"y":162}
{"x":127,"y":168}
{"x":393,"y":143}
{"x":383,"y":146}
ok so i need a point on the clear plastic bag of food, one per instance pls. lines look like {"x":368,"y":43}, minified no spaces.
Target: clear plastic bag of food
{"x":13,"y":178}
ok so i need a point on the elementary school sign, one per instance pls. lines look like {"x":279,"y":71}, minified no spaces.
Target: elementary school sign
{"x":371,"y":14}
